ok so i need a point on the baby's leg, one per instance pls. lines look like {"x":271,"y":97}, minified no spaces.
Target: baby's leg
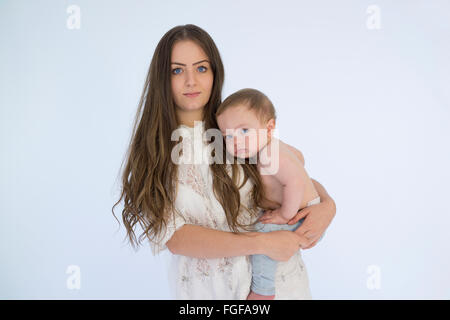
{"x":255,"y":296}
{"x":263,"y":270}
{"x":263,"y":277}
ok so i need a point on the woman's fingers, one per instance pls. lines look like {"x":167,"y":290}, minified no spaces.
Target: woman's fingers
{"x":301,"y":214}
{"x":311,"y":245}
{"x":307,"y":233}
{"x":283,"y":244}
{"x":310,"y":235}
{"x":303,"y":242}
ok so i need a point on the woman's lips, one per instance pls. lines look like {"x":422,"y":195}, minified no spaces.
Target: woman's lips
{"x":192,"y":95}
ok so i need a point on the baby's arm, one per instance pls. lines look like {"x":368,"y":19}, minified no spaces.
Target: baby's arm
{"x":290,"y":177}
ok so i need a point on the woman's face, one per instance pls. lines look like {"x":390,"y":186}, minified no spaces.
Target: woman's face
{"x":191,"y":78}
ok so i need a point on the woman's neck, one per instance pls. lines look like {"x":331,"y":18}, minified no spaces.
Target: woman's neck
{"x":188,"y":118}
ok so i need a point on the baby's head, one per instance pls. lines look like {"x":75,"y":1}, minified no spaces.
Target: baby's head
{"x":246,"y":119}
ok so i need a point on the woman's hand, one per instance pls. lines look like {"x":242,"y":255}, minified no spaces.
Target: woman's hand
{"x":317,"y":217}
{"x":281,"y":245}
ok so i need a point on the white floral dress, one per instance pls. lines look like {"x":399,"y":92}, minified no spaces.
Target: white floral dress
{"x":224,"y":278}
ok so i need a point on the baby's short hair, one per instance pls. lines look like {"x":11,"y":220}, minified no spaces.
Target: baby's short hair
{"x":255,"y":100}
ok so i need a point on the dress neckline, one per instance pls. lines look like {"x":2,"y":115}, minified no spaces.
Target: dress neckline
{"x":202,"y":126}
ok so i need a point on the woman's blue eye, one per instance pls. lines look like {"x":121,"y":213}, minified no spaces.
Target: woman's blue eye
{"x":228,"y":136}
{"x":244,"y":130}
{"x":202,"y":69}
{"x":176,"y":71}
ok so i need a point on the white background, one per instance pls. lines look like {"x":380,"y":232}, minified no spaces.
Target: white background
{"x":369,"y":109}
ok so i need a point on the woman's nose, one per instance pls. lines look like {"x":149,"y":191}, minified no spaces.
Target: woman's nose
{"x":190,"y":78}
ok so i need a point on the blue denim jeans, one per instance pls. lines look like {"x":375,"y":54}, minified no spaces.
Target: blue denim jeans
{"x":263,"y":267}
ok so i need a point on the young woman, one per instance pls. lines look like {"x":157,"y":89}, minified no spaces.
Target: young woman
{"x":199,"y":211}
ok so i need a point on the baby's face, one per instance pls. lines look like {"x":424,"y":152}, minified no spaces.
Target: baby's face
{"x":243,"y":132}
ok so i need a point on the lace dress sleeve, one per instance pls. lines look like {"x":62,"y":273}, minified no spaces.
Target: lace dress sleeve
{"x":191,"y":204}
{"x":195,"y":202}
{"x":174,"y":222}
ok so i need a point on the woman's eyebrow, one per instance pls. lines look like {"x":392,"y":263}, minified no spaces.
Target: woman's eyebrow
{"x":182,"y":64}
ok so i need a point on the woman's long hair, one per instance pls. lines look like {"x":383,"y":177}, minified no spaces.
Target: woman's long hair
{"x":149,"y":177}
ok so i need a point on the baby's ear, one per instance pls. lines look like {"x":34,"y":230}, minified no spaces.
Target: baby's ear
{"x":270,"y":125}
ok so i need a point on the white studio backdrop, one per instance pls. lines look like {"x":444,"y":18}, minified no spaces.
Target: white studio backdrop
{"x":360,"y":87}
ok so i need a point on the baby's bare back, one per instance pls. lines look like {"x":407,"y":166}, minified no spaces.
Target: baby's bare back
{"x":274,"y":189}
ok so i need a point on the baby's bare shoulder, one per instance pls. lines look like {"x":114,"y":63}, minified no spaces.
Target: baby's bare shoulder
{"x":289,"y":166}
{"x":289,"y":150}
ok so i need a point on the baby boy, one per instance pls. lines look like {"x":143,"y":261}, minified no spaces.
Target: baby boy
{"x":247,"y":120}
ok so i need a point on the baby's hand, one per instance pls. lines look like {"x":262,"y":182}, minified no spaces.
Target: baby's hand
{"x":273,"y":216}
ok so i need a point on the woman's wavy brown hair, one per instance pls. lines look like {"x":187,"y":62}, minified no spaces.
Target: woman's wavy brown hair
{"x":149,"y":177}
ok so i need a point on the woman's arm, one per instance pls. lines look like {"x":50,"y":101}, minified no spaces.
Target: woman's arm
{"x":200,"y":242}
{"x":317,"y":217}
{"x":325,"y":198}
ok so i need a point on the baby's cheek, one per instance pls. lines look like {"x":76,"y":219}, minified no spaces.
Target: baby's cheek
{"x":252,"y":143}
{"x":229,"y":147}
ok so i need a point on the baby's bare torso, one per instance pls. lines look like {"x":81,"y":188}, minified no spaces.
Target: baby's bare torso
{"x":274,"y":189}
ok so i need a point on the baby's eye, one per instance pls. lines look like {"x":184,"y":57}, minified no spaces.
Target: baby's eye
{"x":244,"y":130}
{"x":228,"y":136}
{"x":202,"y":69}
{"x":176,"y":71}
